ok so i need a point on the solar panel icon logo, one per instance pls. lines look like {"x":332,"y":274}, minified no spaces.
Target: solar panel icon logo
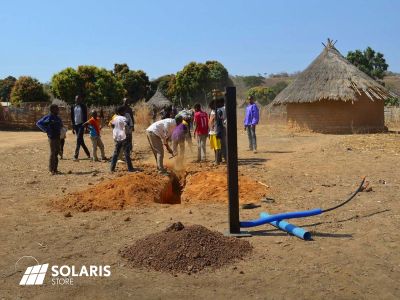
{"x":34,"y":275}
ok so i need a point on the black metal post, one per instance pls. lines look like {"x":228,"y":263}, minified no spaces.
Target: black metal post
{"x":232,"y":157}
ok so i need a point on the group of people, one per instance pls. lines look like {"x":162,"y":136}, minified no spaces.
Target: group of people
{"x":172,"y":132}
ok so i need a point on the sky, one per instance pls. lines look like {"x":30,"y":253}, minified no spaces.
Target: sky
{"x":42,"y":37}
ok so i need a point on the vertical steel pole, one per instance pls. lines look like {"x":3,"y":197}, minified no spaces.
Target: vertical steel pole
{"x":232,"y":157}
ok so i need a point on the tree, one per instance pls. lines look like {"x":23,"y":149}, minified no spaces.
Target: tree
{"x":370,"y":62}
{"x":6,"y":86}
{"x":192,"y":82}
{"x":107,"y":89}
{"x":264,"y":95}
{"x":120,"y":69}
{"x":136,"y":84}
{"x":66,"y":84}
{"x":218,"y":77}
{"x":28,"y":89}
{"x":278,"y":87}
{"x":166,"y":85}
{"x":196,"y":81}
{"x":97,"y":85}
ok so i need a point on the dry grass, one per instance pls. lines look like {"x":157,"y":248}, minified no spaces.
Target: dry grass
{"x":392,"y":117}
{"x":143,"y":115}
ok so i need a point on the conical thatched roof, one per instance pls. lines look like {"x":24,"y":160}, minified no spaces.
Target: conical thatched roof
{"x":159,"y":100}
{"x":331,"y":77}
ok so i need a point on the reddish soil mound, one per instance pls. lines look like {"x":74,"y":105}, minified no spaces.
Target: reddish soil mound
{"x":185,"y":249}
{"x":128,"y":190}
{"x":212,"y":187}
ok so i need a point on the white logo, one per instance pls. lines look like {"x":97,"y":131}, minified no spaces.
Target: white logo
{"x":60,"y":275}
{"x":34,"y":275}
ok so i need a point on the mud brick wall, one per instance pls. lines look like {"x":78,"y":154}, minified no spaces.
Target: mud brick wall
{"x":26,"y":117}
{"x":338,"y":116}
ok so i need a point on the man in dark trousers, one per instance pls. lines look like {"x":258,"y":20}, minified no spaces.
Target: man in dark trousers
{"x":78,"y":118}
{"x":126,"y":103}
{"x":52,"y":124}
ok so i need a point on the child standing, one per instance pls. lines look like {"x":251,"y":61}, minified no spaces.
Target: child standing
{"x":119,"y":134}
{"x":201,"y":131}
{"x":52,"y":124}
{"x":94,"y":125}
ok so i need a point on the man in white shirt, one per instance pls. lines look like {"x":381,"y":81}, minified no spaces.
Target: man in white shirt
{"x":119,"y":124}
{"x":158,"y":135}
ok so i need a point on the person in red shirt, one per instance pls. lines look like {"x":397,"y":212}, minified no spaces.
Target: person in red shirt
{"x":200,"y":123}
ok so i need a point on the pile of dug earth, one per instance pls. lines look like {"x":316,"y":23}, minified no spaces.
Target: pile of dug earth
{"x":180,"y":249}
{"x":211,"y":186}
{"x":147,"y":187}
{"x":126,"y":191}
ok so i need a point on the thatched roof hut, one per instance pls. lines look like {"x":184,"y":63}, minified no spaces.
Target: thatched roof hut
{"x":159,"y":100}
{"x":332,"y":95}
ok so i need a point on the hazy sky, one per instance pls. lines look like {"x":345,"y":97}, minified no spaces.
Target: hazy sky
{"x":40,"y":38}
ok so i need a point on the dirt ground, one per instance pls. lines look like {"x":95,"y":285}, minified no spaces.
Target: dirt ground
{"x":354,"y":253}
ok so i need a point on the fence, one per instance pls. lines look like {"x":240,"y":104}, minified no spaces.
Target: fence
{"x":26,"y":116}
{"x":392,"y":116}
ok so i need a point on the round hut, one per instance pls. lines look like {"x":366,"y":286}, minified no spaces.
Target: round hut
{"x":334,"y":96}
{"x":159,"y":101}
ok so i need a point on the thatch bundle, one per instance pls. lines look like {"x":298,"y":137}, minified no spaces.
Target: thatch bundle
{"x":331,"y":77}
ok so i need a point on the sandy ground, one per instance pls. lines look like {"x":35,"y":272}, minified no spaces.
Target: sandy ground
{"x":354,"y":253}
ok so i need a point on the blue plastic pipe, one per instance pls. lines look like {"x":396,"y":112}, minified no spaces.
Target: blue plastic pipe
{"x":290,"y":228}
{"x":289,"y":215}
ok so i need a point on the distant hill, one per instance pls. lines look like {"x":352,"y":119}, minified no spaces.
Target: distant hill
{"x":393,"y":83}
{"x":242,"y":88}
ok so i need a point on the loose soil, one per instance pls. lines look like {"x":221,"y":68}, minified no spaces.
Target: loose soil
{"x":147,"y":187}
{"x":130,"y":190}
{"x":185,"y":249}
{"x":211,"y":187}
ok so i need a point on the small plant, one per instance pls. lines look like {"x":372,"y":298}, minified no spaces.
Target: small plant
{"x":392,"y":101}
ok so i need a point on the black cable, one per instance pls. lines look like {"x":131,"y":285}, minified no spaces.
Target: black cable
{"x":360,"y":188}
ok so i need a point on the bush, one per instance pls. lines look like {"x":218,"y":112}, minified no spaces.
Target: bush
{"x":392,"y":101}
{"x":28,"y":89}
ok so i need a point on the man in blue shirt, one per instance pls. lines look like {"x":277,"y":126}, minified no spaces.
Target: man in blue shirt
{"x":52,"y":124}
{"x":250,"y":121}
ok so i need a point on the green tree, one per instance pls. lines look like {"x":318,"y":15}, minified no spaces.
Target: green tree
{"x":278,"y":87}
{"x":196,"y":81}
{"x":66,"y":84}
{"x":120,"y":69}
{"x":166,"y":84}
{"x":6,"y":86}
{"x":264,"y":95}
{"x":136,"y":85}
{"x":107,"y":89}
{"x":370,"y":62}
{"x":218,"y":77}
{"x":28,"y":89}
{"x":97,"y":85}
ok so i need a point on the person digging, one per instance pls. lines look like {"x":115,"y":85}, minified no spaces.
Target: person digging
{"x":158,"y":135}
